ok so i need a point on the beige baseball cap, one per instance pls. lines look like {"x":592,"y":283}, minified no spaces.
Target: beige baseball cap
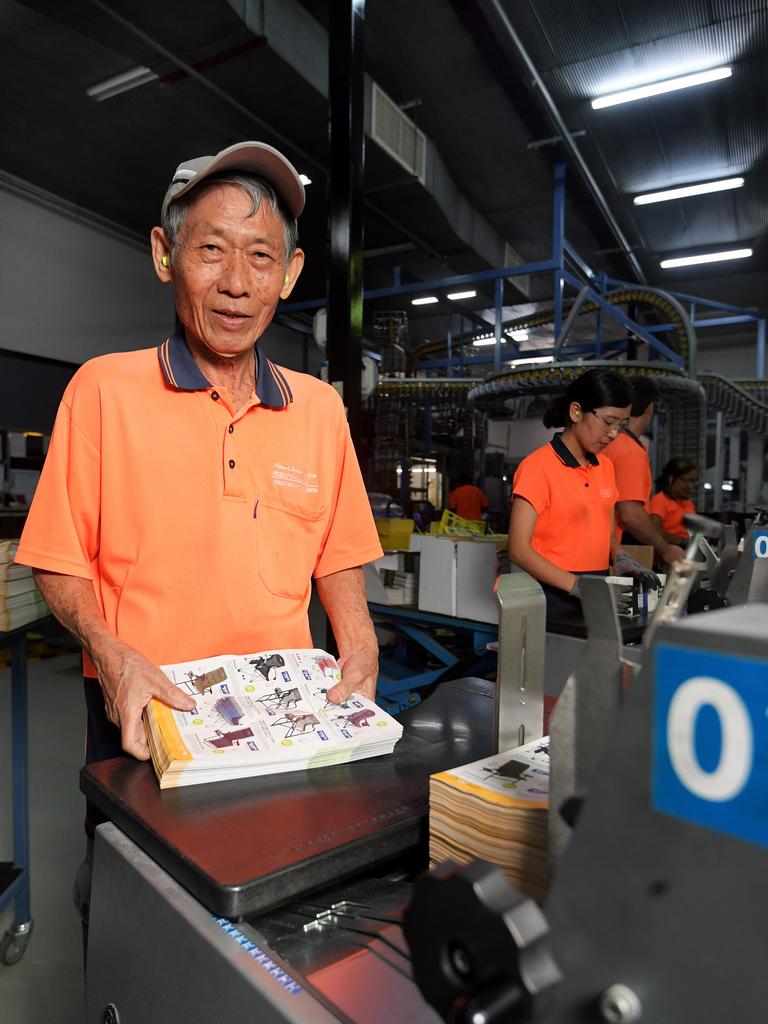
{"x":256,"y":157}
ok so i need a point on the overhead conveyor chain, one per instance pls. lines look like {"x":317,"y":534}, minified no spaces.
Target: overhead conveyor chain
{"x":742,"y":403}
{"x":619,"y":297}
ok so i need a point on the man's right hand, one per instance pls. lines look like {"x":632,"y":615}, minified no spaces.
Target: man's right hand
{"x":129,"y":681}
{"x":673,"y":553}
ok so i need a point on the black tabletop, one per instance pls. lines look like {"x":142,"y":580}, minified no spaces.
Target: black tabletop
{"x":242,"y":847}
{"x":632,"y":628}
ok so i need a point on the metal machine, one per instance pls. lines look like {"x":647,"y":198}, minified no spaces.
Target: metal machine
{"x":289,"y":898}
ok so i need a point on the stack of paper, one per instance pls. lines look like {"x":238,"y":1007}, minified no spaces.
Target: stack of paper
{"x":20,"y":600}
{"x":258,"y":714}
{"x":495,"y":809}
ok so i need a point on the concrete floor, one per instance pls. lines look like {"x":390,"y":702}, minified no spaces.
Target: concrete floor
{"x":47,"y":983}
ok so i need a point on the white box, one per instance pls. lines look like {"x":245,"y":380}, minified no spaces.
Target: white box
{"x":456,"y":577}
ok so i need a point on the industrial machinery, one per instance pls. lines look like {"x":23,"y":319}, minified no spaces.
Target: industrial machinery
{"x":289,"y":898}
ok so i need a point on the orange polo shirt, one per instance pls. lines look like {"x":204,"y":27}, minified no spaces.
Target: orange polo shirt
{"x":633,"y":471}
{"x":201,"y":527}
{"x":574,"y":505}
{"x":468,"y":501}
{"x":671,"y":512}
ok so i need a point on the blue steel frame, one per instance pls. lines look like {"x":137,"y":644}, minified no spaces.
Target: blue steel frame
{"x":596,"y":285}
{"x":398,"y":685}
{"x":18,"y":890}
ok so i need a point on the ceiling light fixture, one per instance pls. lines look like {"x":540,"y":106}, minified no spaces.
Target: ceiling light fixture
{"x":657,"y":88}
{"x":479,"y":342}
{"x":425,"y":300}
{"x":721,"y":185}
{"x":454,"y":296}
{"x":121,"y":83}
{"x":521,"y":335}
{"x":532,"y":360}
{"x":305,"y":179}
{"x":706,"y":257}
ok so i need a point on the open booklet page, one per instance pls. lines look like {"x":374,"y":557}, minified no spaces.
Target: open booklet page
{"x":262,"y":713}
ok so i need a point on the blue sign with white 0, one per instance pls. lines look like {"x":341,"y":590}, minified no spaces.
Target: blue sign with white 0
{"x":710,"y":740}
{"x":760,"y":544}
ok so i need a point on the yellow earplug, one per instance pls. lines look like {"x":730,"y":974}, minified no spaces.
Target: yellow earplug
{"x":164,"y":261}
{"x":286,"y":279}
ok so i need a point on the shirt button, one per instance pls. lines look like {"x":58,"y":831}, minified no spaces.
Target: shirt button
{"x":586,"y":485}
{"x":215,"y":396}
{"x":231,"y":463}
{"x":231,"y":429}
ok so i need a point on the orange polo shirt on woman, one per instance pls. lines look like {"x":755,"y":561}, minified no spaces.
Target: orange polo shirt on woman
{"x":201,"y":527}
{"x":671,"y":512}
{"x":574,"y":506}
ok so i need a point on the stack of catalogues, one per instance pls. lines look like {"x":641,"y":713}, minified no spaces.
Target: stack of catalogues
{"x":20,"y":600}
{"x":257,"y":714}
{"x":495,"y":809}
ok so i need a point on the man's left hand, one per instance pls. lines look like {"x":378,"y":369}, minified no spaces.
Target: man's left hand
{"x":359,"y":672}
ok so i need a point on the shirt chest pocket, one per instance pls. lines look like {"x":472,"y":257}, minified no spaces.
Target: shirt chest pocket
{"x":288,"y":539}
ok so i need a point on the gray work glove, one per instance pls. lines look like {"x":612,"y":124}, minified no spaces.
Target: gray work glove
{"x":623,"y":597}
{"x":625,"y":565}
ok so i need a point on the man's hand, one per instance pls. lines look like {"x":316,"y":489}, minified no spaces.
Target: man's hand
{"x":359,"y":672}
{"x":673,"y":553}
{"x":129,"y":681}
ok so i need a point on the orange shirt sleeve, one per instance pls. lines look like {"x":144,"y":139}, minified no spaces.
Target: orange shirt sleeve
{"x":61,"y":533}
{"x":351,"y":538}
{"x":532,"y":484}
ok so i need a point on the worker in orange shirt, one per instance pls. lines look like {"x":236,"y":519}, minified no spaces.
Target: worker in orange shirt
{"x":672,"y":501}
{"x":467,"y":500}
{"x":633,"y":476}
{"x":562,"y":520}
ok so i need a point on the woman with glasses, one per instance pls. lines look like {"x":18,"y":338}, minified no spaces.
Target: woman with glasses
{"x":563,"y":495}
{"x":672,"y":500}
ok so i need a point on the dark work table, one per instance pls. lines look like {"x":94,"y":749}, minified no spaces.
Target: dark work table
{"x":243,"y":847}
{"x":632,"y":629}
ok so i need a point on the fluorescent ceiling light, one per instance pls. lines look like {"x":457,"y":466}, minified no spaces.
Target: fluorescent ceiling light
{"x":121,"y":83}
{"x":461,"y":295}
{"x":706,"y":257}
{"x":483,"y":340}
{"x":722,"y":185}
{"x":305,"y":179}
{"x":656,"y":88}
{"x":425,"y":300}
{"x":531,"y":360}
{"x":520,"y":335}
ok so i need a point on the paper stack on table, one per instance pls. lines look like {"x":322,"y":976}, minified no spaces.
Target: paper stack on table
{"x":495,"y":809}
{"x":258,"y":714}
{"x":20,"y":600}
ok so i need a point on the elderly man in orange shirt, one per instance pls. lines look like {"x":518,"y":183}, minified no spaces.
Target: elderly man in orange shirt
{"x":192,"y":490}
{"x":633,"y":475}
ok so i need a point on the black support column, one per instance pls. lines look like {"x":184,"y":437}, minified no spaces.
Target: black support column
{"x":345,"y":203}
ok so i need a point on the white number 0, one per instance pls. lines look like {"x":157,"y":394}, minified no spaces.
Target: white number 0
{"x":735,"y":764}
{"x":761,"y":546}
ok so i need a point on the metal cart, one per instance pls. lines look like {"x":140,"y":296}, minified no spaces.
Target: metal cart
{"x":14,"y":875}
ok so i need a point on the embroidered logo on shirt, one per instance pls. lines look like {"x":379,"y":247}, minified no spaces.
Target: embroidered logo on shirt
{"x":292,"y":476}
{"x":606,"y":492}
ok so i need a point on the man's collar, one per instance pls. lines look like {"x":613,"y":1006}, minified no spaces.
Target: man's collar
{"x":183,"y":373}
{"x":566,"y":456}
{"x":634,"y":437}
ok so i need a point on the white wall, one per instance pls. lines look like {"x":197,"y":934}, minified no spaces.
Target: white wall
{"x":734,"y":362}
{"x":70,"y":290}
{"x":517,"y":438}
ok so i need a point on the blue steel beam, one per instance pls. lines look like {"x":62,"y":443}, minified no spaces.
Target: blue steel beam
{"x":631,"y":325}
{"x":446,"y":282}
{"x":760,"y":370}
{"x":711,"y":303}
{"x":577,"y":261}
{"x":714,"y":321}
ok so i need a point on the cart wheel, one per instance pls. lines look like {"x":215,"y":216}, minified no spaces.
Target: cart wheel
{"x":13,"y":945}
